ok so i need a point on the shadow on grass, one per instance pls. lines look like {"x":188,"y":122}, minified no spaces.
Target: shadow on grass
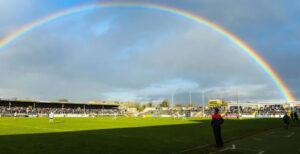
{"x":154,"y":139}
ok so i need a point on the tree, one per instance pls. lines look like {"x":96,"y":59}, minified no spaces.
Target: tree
{"x":178,"y":106}
{"x":134,"y":105}
{"x":150,"y":104}
{"x":142,"y":108}
{"x":191,"y":104}
{"x":164,"y":103}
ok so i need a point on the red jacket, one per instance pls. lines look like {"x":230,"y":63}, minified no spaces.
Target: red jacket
{"x":216,"y":120}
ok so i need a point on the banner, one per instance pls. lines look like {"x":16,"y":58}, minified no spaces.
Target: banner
{"x":76,"y":115}
{"x":248,"y":116}
{"x":165,"y":115}
{"x":263,"y":116}
{"x":148,"y":116}
{"x":32,"y":115}
{"x":230,"y":116}
{"x":59,"y":115}
{"x":181,"y":115}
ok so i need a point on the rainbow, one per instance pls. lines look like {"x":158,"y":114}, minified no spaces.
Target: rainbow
{"x":165,"y":9}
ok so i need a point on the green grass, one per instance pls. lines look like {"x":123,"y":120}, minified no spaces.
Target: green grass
{"x":127,"y":135}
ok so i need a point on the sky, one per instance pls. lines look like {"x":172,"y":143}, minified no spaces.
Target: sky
{"x":126,"y":54}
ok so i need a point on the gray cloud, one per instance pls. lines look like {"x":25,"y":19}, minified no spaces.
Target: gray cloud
{"x":142,"y":54}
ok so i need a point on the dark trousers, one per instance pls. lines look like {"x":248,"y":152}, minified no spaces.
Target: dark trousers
{"x":286,"y":125}
{"x":218,"y":137}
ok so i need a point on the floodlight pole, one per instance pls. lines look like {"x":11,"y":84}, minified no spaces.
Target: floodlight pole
{"x":84,"y":108}
{"x":202,"y":103}
{"x":172,"y":100}
{"x":237,"y":101}
{"x":190,"y":99}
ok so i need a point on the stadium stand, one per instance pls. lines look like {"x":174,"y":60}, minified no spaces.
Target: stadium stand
{"x":28,"y":107}
{"x":33,"y":107}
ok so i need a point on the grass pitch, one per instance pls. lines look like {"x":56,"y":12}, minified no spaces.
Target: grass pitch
{"x":149,"y":135}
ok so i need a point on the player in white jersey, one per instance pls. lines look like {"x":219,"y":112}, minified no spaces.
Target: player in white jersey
{"x":115,"y":116}
{"x":15,"y":115}
{"x":51,"y":117}
{"x":184,"y":117}
{"x":175,"y":116}
{"x":136,"y":116}
{"x":93,"y":115}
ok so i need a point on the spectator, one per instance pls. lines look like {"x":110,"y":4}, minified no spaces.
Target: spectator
{"x":296,"y":116}
{"x":292,"y":116}
{"x":286,"y":120}
{"x":216,"y":123}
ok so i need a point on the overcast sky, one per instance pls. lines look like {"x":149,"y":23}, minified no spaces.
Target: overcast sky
{"x":143,"y":55}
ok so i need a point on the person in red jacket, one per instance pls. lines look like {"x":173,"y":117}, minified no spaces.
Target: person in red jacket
{"x":216,"y":123}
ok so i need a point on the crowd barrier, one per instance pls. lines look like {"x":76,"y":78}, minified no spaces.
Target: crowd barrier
{"x":165,"y":115}
{"x":230,"y":116}
{"x":248,"y":116}
{"x":76,"y":115}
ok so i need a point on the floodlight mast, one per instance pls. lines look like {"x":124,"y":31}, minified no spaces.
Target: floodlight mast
{"x":172,"y":99}
{"x":202,"y":103}
{"x":190,"y":99}
{"x":237,"y":101}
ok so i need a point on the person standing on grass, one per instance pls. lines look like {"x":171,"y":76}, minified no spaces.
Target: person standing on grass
{"x":216,"y":123}
{"x":15,"y":115}
{"x":51,"y":117}
{"x":286,"y":120}
{"x":115,"y":116}
{"x":292,"y":116}
{"x":296,"y":116}
{"x":175,"y":116}
{"x":183,"y":117}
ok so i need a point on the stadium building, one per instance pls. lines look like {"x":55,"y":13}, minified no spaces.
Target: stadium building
{"x":217,"y":103}
{"x":28,"y":107}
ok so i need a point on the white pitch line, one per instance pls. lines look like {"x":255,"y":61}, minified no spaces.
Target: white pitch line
{"x":291,"y":134}
{"x":261,"y":152}
{"x":245,"y":149}
{"x":243,"y":136}
{"x":228,"y":148}
{"x":272,"y":134}
{"x":190,"y":149}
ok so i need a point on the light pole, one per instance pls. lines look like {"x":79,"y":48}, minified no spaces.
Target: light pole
{"x":202,"y":103}
{"x":237,"y":101}
{"x":190,"y":99}
{"x":172,"y":100}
